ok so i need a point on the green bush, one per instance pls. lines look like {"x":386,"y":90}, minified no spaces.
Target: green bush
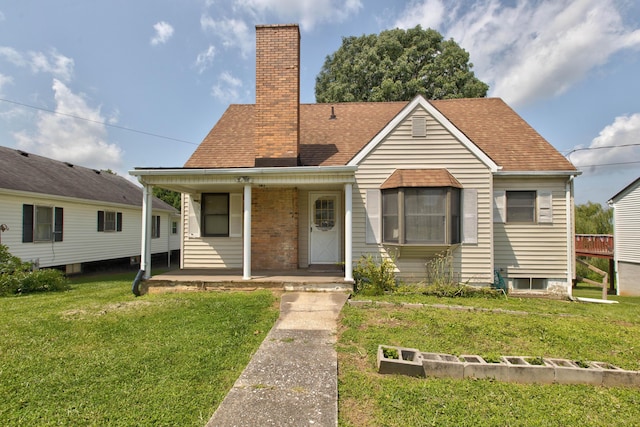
{"x":374,"y":277}
{"x":16,"y":276}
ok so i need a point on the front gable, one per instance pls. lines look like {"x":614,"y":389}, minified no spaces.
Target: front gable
{"x":416,"y":113}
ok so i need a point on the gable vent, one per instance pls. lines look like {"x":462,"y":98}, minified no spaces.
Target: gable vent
{"x":418,"y":127}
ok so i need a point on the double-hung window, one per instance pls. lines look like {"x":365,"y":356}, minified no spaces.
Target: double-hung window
{"x":109,"y":221}
{"x":42,"y":223}
{"x":421,"y":215}
{"x":215,"y":214}
{"x":521,"y":206}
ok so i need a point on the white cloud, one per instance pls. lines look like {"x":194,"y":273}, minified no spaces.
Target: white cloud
{"x":227,"y":89}
{"x":532,"y":49}
{"x":5,"y":80}
{"x":234,"y":33}
{"x":427,"y":13}
{"x":308,"y":13}
{"x":62,"y":137}
{"x":58,"y":65}
{"x":205,"y":59}
{"x":164,"y":31}
{"x":623,"y":134}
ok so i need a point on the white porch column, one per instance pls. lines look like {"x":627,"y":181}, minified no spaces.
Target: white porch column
{"x":348,"y":232}
{"x":145,"y":252}
{"x":246,"y":234}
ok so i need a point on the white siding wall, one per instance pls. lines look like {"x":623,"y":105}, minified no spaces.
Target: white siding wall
{"x":627,"y":240}
{"x":208,"y":252}
{"x":81,"y":240}
{"x":437,"y":151}
{"x":627,"y":226}
{"x":536,"y":250}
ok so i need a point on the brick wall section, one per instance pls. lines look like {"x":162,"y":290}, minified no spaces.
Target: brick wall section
{"x":277,"y":95}
{"x":274,"y":229}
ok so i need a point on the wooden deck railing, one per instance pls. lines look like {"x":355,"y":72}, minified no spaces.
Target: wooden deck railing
{"x":594,"y":245}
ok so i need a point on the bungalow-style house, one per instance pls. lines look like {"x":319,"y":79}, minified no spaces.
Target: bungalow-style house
{"x":626,"y":238}
{"x":280,"y":185}
{"x":58,"y":214}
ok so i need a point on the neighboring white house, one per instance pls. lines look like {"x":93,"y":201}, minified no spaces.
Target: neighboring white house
{"x":626,"y":238}
{"x":62,"y":215}
{"x":279,"y":185}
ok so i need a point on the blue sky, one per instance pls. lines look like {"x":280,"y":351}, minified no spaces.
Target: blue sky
{"x":152,"y":77}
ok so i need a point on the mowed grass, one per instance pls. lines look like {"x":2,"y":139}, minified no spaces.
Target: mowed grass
{"x":97,"y":355}
{"x":489,"y":328}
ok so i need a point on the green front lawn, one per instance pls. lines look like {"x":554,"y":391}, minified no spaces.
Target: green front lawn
{"x":97,"y":355}
{"x":514,"y":326}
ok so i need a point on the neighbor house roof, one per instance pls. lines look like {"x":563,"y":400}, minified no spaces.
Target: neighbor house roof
{"x":22,"y":171}
{"x":625,"y":190}
{"x":489,"y":123}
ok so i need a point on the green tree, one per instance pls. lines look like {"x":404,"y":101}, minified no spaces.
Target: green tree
{"x":592,"y":218}
{"x":168,"y":196}
{"x":397,"y":65}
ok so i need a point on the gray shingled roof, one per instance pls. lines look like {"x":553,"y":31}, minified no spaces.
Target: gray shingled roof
{"x":23,"y":171}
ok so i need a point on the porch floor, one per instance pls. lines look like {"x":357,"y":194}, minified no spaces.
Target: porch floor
{"x":312,"y":279}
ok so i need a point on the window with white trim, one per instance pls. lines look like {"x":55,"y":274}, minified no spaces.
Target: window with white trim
{"x":421,"y":215}
{"x":42,"y":223}
{"x":174,"y":227}
{"x":523,"y":206}
{"x":109,"y":221}
{"x":155,"y":226}
{"x":215,"y":214}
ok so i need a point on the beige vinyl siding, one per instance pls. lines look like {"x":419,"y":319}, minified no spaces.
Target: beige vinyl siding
{"x":208,"y":252}
{"x":439,"y":149}
{"x":537,"y":250}
{"x":81,"y":240}
{"x":627,"y":226}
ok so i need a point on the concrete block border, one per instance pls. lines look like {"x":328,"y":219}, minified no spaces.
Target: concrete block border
{"x":515,"y":369}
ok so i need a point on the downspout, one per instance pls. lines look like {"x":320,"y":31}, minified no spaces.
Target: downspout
{"x":570,"y":233}
{"x":145,"y":251}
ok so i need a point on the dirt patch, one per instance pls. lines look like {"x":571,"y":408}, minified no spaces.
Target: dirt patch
{"x":102,"y":310}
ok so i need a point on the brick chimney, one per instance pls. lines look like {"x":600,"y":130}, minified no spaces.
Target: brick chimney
{"x":277,"y":117}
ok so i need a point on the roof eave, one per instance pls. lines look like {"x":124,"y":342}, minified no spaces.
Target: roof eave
{"x":543,"y":173}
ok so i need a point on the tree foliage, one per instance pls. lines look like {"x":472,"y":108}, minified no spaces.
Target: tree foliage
{"x":592,"y":218}
{"x":167,"y":196}
{"x":397,"y":65}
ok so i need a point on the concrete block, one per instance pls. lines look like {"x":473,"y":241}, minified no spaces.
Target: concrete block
{"x":568,"y":372}
{"x":478,"y":368}
{"x":409,"y":362}
{"x":522,"y":372}
{"x":613,"y":376}
{"x":439,"y":365}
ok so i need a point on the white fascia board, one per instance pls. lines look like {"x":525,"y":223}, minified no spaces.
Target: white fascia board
{"x":438,"y":116}
{"x":301,"y":170}
{"x":524,"y":174}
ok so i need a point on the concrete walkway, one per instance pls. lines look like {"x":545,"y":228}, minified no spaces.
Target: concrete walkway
{"x":292,"y":380}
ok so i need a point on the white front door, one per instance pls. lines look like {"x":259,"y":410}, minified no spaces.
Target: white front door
{"x":324,"y":229}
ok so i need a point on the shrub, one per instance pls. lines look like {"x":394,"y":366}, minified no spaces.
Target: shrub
{"x":16,"y":276}
{"x":373,"y":277}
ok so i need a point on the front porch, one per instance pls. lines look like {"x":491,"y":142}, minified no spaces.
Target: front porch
{"x":312,"y":279}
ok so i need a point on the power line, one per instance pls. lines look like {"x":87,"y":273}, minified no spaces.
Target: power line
{"x":609,"y":164}
{"x":602,"y":147}
{"x":142,"y":132}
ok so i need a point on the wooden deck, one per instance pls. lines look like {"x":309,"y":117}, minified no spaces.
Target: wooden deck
{"x":597,"y":246}
{"x":594,"y":245}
